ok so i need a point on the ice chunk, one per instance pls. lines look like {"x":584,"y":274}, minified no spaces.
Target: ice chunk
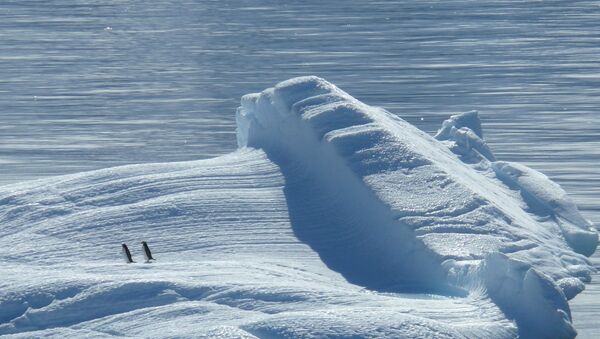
{"x":469,"y":120}
{"x":466,"y":133}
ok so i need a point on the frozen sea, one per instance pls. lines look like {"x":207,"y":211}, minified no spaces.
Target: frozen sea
{"x":93,"y":84}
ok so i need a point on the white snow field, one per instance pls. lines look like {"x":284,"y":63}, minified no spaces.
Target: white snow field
{"x":332,"y":219}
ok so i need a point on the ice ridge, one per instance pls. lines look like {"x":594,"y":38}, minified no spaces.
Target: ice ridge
{"x":333,"y":219}
{"x":415,"y":211}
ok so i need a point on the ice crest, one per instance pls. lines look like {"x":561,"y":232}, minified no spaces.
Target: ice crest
{"x":417,"y":200}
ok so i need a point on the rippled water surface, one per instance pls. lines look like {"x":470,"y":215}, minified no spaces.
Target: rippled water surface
{"x":93,"y":84}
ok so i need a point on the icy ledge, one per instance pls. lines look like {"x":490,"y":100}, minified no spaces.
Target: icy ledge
{"x":404,"y":211}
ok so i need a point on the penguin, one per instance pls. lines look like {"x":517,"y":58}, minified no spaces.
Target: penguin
{"x":147,"y":253}
{"x":126,"y":254}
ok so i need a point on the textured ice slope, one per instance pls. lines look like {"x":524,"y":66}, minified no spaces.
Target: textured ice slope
{"x":407,"y":210}
{"x":340,"y":220}
{"x":229,"y":263}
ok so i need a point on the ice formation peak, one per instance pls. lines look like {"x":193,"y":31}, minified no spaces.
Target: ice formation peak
{"x":416,"y":211}
{"x":469,"y":120}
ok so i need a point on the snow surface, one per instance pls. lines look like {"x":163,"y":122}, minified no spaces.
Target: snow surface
{"x":333,"y":218}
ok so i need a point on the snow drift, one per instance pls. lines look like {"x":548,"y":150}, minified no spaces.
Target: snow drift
{"x":409,"y":212}
{"x":333,"y":218}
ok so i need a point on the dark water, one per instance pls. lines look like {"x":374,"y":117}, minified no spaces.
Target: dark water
{"x":93,"y":84}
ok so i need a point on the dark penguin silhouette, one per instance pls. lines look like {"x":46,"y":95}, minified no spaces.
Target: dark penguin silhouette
{"x":147,"y":253}
{"x":126,"y":254}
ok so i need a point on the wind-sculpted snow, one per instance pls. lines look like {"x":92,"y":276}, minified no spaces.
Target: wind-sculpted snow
{"x":333,"y":219}
{"x":228,"y":262}
{"x":402,"y":207}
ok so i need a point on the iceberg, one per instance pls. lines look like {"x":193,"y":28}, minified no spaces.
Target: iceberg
{"x":333,"y":218}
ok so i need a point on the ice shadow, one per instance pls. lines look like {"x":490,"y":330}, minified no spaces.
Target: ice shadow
{"x":355,"y":234}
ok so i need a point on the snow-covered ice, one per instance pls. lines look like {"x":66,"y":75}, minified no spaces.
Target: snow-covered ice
{"x":333,"y":218}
